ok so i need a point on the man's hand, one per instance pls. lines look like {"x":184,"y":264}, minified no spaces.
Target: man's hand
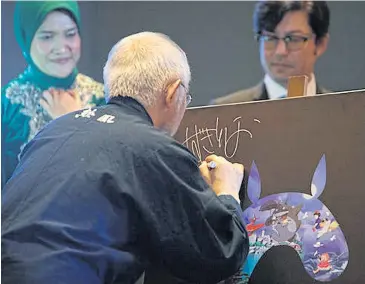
{"x":225,"y":178}
{"x":60,"y":102}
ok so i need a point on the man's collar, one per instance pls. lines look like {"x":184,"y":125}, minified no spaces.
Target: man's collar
{"x":276,"y":91}
{"x":131,"y":104}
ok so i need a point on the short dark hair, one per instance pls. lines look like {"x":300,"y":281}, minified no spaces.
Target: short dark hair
{"x":268,"y":14}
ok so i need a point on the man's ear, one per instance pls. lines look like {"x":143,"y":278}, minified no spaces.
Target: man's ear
{"x":321,"y":45}
{"x":171,"y":92}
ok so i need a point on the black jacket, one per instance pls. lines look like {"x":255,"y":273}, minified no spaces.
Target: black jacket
{"x":100,"y":194}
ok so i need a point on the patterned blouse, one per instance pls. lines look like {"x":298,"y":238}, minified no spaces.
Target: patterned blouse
{"x":23,"y":116}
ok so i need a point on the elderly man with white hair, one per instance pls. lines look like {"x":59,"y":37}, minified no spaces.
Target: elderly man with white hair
{"x":103,"y":193}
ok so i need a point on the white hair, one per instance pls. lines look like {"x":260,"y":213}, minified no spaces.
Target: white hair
{"x":142,"y":65}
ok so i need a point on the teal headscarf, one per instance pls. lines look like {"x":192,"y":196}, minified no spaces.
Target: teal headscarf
{"x":28,"y":17}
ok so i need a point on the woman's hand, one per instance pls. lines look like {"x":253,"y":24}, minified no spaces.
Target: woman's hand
{"x":58,"y":102}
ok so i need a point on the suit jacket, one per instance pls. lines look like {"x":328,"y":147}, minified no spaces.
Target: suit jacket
{"x":256,"y":93}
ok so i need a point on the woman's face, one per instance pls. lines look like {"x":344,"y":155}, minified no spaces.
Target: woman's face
{"x":56,"y":45}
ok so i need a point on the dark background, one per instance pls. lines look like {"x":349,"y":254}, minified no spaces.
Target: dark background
{"x":217,"y":37}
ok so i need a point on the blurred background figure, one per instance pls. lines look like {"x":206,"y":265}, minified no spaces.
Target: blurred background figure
{"x":48,"y":33}
{"x":292,"y":36}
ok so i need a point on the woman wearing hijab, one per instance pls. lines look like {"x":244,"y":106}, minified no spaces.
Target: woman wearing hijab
{"x":48,"y":33}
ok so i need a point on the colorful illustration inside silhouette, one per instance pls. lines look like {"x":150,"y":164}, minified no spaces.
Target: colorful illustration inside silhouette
{"x":298,"y":220}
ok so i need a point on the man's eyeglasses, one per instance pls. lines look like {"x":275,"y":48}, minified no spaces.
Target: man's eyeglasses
{"x":292,"y":42}
{"x":188,"y":94}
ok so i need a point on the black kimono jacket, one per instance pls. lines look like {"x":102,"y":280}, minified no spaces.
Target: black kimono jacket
{"x":100,"y":195}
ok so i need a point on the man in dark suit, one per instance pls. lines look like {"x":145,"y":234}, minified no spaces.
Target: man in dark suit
{"x":292,"y":36}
